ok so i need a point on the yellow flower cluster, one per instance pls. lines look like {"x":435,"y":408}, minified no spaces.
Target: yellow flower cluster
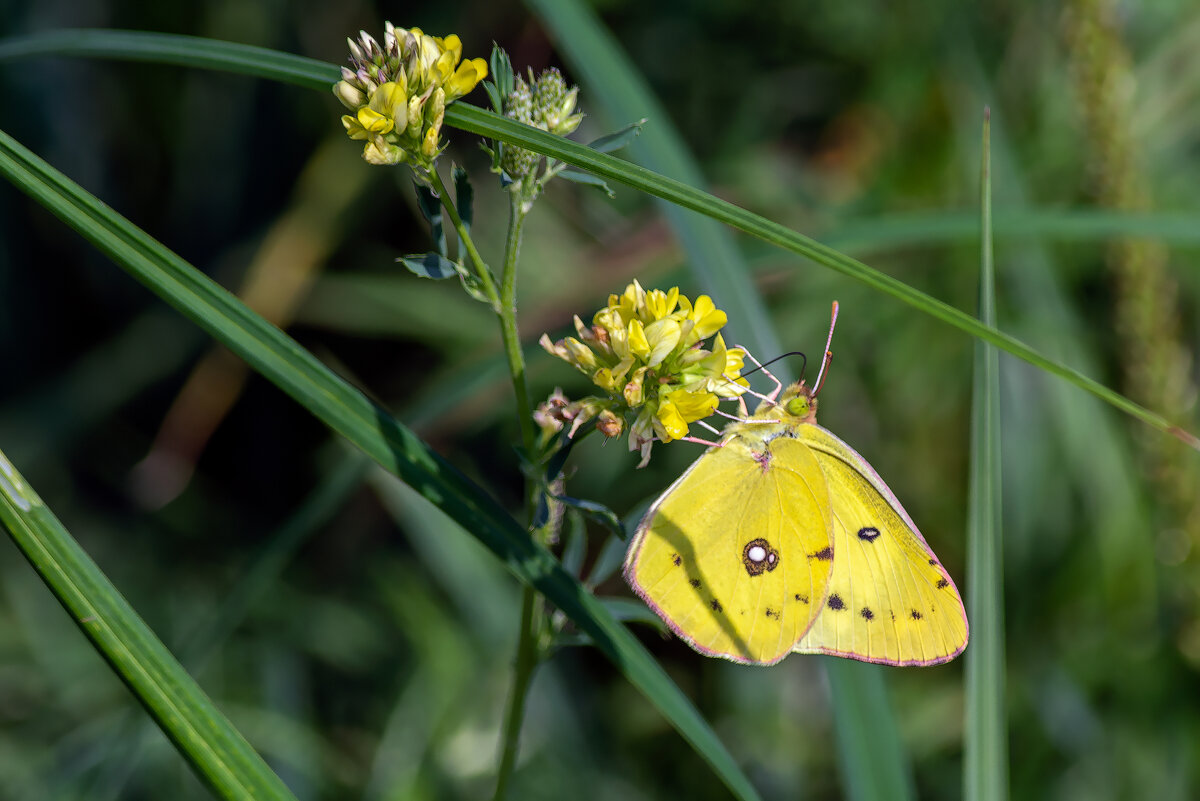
{"x":398,"y":93}
{"x":644,"y":349}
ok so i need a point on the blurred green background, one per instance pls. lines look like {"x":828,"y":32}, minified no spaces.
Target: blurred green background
{"x":361,"y":642}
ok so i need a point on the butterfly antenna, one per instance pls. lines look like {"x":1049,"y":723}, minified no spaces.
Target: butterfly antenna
{"x":763,"y":365}
{"x":828,"y":353}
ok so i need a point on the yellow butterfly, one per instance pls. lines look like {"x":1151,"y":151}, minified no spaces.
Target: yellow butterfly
{"x":781,"y":538}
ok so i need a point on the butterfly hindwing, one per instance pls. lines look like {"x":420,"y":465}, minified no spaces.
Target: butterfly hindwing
{"x":736,"y":555}
{"x":889,"y":598}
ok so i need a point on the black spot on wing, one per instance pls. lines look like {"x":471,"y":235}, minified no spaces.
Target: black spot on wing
{"x":867,"y":614}
{"x":824,"y":555}
{"x":933,"y":561}
{"x":835,"y":602}
{"x":915,"y":615}
{"x":942,"y":584}
{"x":676,"y":559}
{"x":774,"y":614}
{"x":868,"y":533}
{"x":802,"y":598}
{"x":694,"y":582}
{"x":716,"y":605}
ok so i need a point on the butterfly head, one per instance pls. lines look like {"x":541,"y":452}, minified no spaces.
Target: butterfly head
{"x":797,"y":404}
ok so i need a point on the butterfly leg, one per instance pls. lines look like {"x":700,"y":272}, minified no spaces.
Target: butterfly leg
{"x":778,"y":384}
{"x":699,"y":441}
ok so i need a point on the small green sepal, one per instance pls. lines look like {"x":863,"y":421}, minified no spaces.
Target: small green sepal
{"x":618,"y":140}
{"x":587,"y":179}
{"x":431,"y":265}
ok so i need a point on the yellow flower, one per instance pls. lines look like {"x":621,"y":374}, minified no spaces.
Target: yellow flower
{"x":659,"y":304}
{"x":705,"y":317}
{"x":398,"y":92}
{"x":681,"y":407}
{"x":644,"y":351}
{"x":662,"y":336}
{"x":465,"y":78}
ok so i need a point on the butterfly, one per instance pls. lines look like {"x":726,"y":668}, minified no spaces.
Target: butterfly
{"x":781,"y":538}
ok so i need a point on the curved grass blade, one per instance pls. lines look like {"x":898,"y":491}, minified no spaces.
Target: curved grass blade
{"x":369,"y":427}
{"x":478,"y":121}
{"x":218,"y":754}
{"x":985,"y":770}
{"x":872,"y":760}
{"x":264,"y":63}
{"x":167,"y":48}
{"x":620,"y":94}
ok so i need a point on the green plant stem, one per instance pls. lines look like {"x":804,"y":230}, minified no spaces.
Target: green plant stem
{"x":528,"y":654}
{"x":486,"y":281}
{"x":508,"y":321}
{"x":527,"y":661}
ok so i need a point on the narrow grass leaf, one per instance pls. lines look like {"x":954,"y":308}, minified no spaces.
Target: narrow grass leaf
{"x":620,"y":96}
{"x":478,"y":121}
{"x":986,"y":733}
{"x":859,"y":699}
{"x":218,"y":754}
{"x":870,"y":754}
{"x":261,"y":62}
{"x":369,"y":427}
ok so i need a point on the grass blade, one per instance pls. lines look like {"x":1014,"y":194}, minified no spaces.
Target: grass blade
{"x":264,"y":63}
{"x":482,"y":122}
{"x":622,"y":96}
{"x":986,"y":739}
{"x":872,"y":760}
{"x":369,"y":427}
{"x":220,"y":756}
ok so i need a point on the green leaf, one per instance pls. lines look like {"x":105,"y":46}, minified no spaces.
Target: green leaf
{"x":218,"y":754}
{"x":618,"y":140}
{"x":626,"y":610}
{"x":596,"y":512}
{"x":574,"y":539}
{"x":711,"y":256}
{"x":464,"y":196}
{"x":632,"y":611}
{"x":587,"y":179}
{"x":502,"y":74}
{"x":494,"y":95}
{"x":184,"y":51}
{"x":985,"y":773}
{"x":872,"y":760}
{"x":431,"y":210}
{"x":430,"y":265}
{"x":611,"y":557}
{"x":369,"y":427}
{"x":478,"y":121}
{"x":864,"y":717}
{"x":558,"y":458}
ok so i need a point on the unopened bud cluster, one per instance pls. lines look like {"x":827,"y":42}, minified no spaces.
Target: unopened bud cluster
{"x":544,"y":102}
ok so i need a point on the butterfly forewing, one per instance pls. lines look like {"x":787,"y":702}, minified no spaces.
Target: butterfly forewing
{"x":736,"y":555}
{"x":889,"y":599}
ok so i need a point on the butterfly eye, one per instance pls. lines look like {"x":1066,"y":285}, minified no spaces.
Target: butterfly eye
{"x":798,"y":406}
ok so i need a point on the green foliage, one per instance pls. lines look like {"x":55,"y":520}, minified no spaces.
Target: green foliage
{"x":364,"y":644}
